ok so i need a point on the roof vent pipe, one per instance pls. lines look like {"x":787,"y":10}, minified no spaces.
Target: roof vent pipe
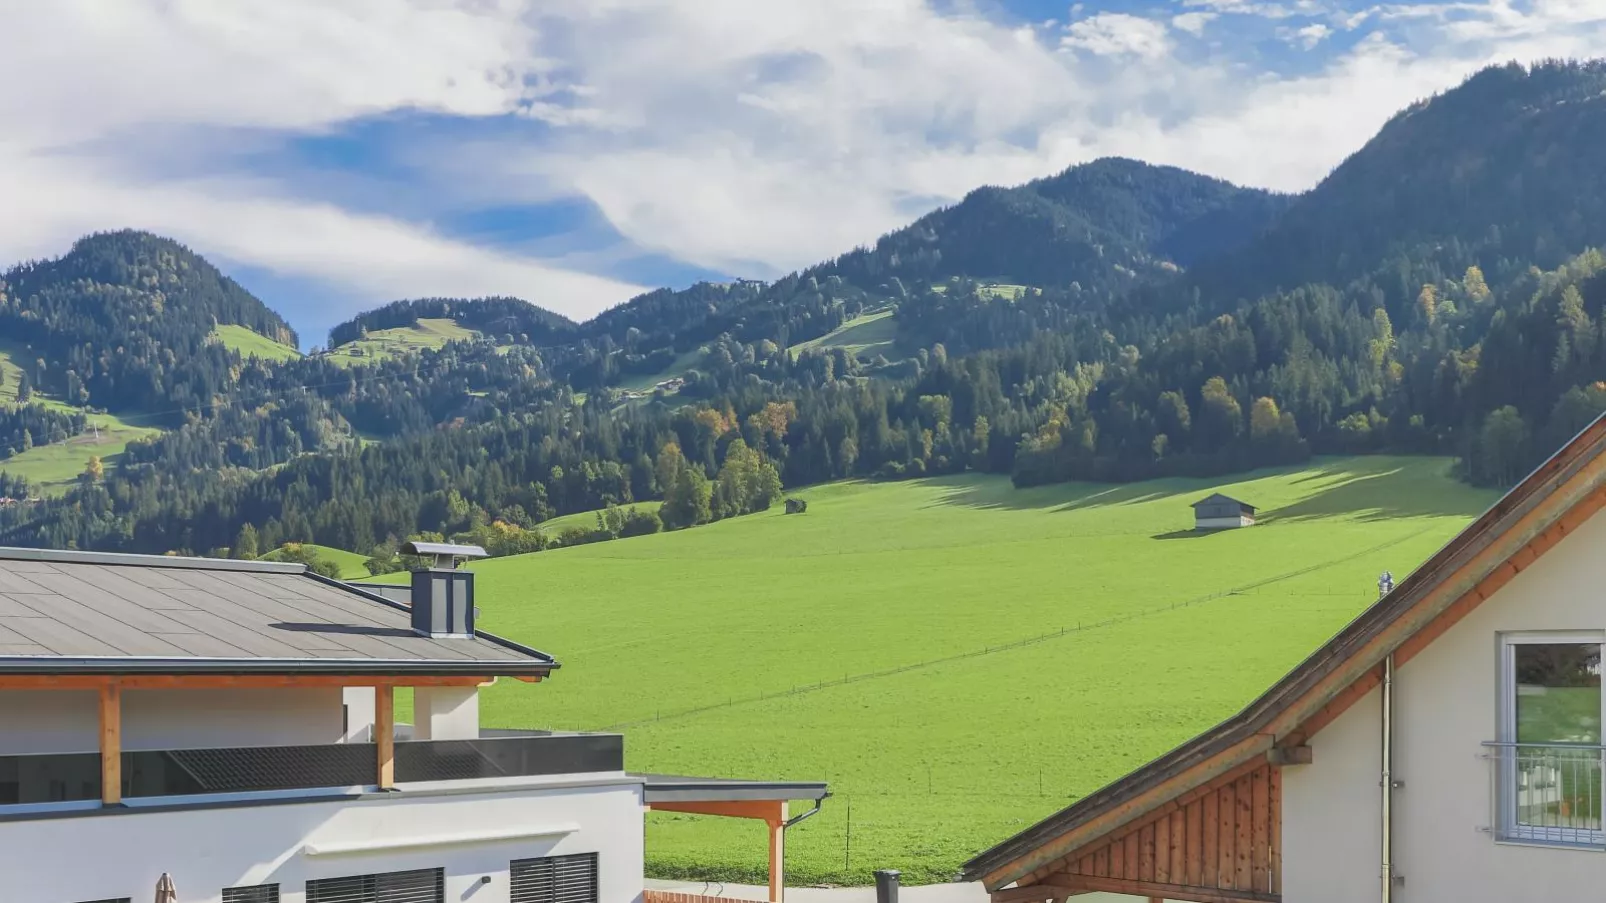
{"x":443,"y":596}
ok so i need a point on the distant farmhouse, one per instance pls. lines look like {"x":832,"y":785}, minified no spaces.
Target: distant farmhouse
{"x":1220,"y":512}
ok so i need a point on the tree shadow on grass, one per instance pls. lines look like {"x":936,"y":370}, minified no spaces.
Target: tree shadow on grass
{"x":1364,"y":488}
{"x":1383,"y":488}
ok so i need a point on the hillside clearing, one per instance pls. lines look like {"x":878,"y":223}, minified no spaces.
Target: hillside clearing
{"x":351,"y":564}
{"x":54,"y":468}
{"x":251,"y":344}
{"x":865,"y":336}
{"x":588,"y":519}
{"x":948,"y":645}
{"x":382,"y":344}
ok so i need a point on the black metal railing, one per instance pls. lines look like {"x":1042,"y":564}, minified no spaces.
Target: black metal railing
{"x":185,"y":772}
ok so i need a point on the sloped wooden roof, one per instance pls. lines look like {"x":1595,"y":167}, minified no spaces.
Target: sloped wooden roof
{"x":1558,"y":497}
{"x":1217,"y":498}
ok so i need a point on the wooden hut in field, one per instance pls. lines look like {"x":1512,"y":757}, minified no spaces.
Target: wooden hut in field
{"x":1220,"y":512}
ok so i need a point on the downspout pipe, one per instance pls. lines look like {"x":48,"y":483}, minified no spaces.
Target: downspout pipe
{"x":1388,"y":779}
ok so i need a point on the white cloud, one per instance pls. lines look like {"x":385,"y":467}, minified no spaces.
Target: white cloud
{"x":1192,"y":23}
{"x":736,"y":135}
{"x":369,"y":255}
{"x":98,"y":74}
{"x":1118,"y":34}
{"x":1311,"y":35}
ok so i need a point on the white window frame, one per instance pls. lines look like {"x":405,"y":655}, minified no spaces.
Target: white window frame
{"x":1508,"y":831}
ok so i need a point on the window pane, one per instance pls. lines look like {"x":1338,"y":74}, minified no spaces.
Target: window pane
{"x":1557,"y":785}
{"x":1558,"y":693}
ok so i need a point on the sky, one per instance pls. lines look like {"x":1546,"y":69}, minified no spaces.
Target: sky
{"x":337,"y":156}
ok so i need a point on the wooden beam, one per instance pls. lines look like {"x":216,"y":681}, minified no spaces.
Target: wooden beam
{"x":777,"y":827}
{"x":1290,"y":755}
{"x":385,"y":736}
{"x":223,"y":681}
{"x":1035,"y":893}
{"x":111,"y":744}
{"x":766,"y":810}
{"x":1087,"y":883}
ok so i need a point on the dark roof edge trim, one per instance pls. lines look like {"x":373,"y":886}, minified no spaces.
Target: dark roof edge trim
{"x":1528,"y":495}
{"x":505,"y":643}
{"x":124,"y":665}
{"x":58,"y":556}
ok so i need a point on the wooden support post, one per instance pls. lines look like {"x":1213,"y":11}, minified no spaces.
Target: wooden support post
{"x":111,"y":743}
{"x":385,"y":735}
{"x":777,"y":826}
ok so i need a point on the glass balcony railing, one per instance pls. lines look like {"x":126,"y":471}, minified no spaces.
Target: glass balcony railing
{"x":185,"y":772}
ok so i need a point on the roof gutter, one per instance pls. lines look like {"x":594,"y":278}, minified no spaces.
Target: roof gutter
{"x":118,"y":665}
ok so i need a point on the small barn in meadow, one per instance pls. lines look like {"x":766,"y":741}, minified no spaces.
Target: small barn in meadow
{"x":1220,"y":512}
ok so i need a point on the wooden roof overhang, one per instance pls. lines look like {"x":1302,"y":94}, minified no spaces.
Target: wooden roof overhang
{"x":1051,"y":859}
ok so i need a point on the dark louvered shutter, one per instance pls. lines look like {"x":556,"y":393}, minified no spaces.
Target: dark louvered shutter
{"x":112,"y":900}
{"x":555,"y":879}
{"x":420,"y":886}
{"x":260,"y":893}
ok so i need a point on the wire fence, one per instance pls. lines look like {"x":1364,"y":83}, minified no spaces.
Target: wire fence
{"x":1081,"y":627}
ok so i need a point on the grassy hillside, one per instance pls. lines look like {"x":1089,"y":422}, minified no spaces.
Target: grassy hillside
{"x":387,"y":343}
{"x":351,"y":563}
{"x":250,"y":344}
{"x":957,"y":657}
{"x":587,"y":519}
{"x":53,"y":468}
{"x":865,"y":335}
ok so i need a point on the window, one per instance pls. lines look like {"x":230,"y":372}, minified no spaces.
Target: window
{"x":555,"y":879}
{"x":419,"y":886}
{"x":1549,"y":752}
{"x":260,"y":893}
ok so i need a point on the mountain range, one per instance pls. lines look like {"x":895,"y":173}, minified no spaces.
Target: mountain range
{"x":1437,"y":293}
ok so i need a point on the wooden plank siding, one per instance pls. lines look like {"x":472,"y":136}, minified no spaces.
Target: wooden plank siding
{"x":1220,"y":842}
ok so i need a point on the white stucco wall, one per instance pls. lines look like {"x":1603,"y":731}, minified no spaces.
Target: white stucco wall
{"x":69,"y":720}
{"x":206,"y":850}
{"x":1222,"y":523}
{"x":1445,"y":708}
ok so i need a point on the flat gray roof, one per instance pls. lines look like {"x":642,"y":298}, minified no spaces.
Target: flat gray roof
{"x":92,"y":613}
{"x":670,"y":788}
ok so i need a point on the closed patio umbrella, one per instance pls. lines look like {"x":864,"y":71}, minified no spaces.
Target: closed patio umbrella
{"x":165,"y":891}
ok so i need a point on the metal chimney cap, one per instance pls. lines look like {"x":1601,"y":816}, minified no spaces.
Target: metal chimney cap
{"x":443,"y":548}
{"x":446,"y":554}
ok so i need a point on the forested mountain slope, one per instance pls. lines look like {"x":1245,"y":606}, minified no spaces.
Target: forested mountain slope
{"x":1099,"y":225}
{"x":1439,"y":293}
{"x":125,"y":321}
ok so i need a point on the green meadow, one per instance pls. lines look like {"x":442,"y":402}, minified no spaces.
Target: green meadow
{"x":251,"y":344}
{"x":53,"y":468}
{"x":427,"y":334}
{"x":957,"y":657}
{"x":865,"y":336}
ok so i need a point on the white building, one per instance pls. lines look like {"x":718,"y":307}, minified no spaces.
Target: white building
{"x":231,"y":725}
{"x":1445,"y":746}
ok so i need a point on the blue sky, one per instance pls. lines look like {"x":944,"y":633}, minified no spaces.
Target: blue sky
{"x":575,"y":152}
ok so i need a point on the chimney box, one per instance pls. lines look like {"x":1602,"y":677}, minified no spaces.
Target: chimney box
{"x":443,"y":596}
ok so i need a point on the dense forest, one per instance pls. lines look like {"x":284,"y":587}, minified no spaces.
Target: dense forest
{"x":1439,"y":293}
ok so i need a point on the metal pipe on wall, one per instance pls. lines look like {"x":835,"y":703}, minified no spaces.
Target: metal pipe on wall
{"x":1388,"y":778}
